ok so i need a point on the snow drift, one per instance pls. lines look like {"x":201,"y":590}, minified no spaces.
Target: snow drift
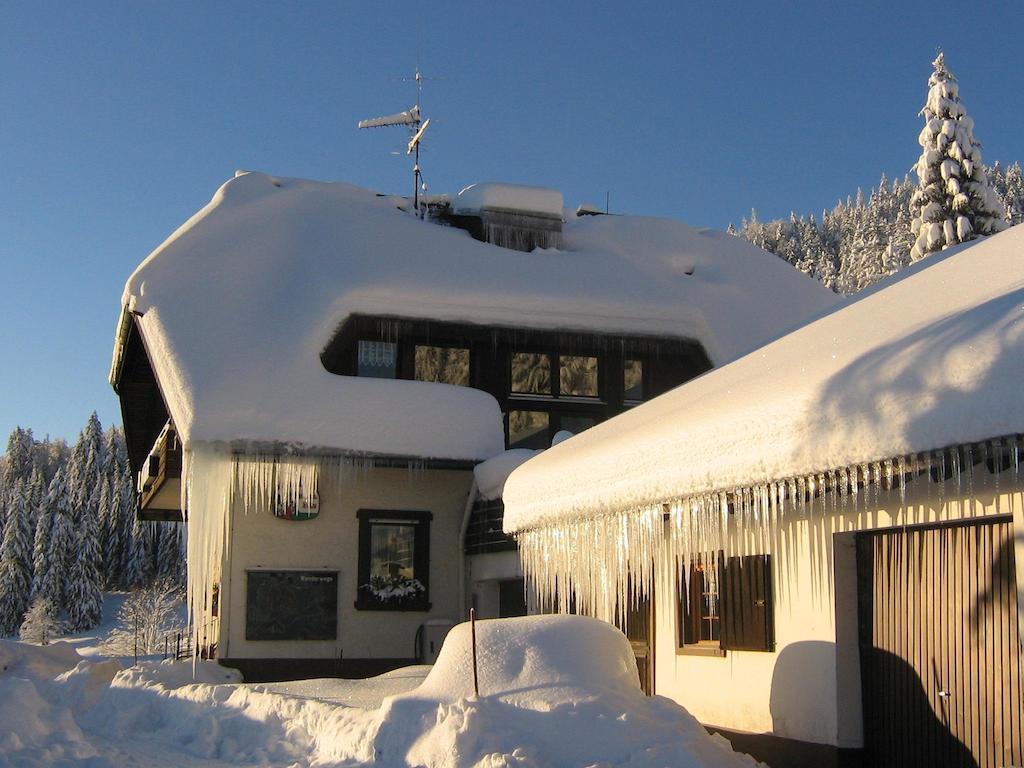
{"x":554,"y":690}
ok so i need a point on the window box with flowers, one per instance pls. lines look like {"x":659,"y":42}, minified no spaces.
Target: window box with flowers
{"x":394,"y":560}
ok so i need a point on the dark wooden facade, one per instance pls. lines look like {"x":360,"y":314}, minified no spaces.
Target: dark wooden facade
{"x":667,"y":362}
{"x":143,"y":411}
{"x":484,"y":532}
{"x":940,"y":655}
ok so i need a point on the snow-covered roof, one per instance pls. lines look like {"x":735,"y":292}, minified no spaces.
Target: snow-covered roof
{"x":237,"y":305}
{"x":533,"y":200}
{"x":932,"y":357}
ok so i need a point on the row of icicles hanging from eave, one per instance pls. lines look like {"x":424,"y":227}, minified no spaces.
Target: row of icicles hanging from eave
{"x":605,"y":565}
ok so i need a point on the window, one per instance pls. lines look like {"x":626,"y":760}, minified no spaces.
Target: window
{"x":576,"y":424}
{"x":531,"y":373}
{"x":699,"y":606}
{"x":728,"y":605}
{"x":633,"y":380}
{"x":445,"y":365}
{"x":377,"y":359}
{"x":394,"y":560}
{"x":577,"y":376}
{"x":528,"y":429}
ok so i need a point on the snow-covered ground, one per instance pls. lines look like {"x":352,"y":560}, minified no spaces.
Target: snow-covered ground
{"x":554,"y":690}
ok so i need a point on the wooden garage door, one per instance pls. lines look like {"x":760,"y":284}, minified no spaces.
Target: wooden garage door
{"x":940,"y":659}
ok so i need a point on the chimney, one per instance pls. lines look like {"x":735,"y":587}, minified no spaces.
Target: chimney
{"x":510,"y":215}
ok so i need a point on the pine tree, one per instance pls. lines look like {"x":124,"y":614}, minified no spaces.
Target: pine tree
{"x":136,"y":564}
{"x":953,"y":202}
{"x":84,"y":587}
{"x":52,"y":567}
{"x":15,"y":562}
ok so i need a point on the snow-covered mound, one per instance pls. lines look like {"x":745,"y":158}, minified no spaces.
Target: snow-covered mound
{"x":491,"y":475}
{"x":930,"y":358}
{"x":554,"y":690}
{"x":271,"y":267}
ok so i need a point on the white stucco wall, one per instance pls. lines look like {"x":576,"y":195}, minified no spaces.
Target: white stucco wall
{"x":331,"y":542}
{"x":809,"y":687}
{"x":484,"y":574}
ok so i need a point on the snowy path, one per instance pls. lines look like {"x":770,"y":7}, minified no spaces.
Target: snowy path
{"x":364,"y":694}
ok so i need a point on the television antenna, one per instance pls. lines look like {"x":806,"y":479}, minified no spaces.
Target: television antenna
{"x":412,"y":119}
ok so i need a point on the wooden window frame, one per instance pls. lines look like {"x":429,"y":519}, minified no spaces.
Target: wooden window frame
{"x":365,"y":600}
{"x":745,"y":608}
{"x":688,"y":620}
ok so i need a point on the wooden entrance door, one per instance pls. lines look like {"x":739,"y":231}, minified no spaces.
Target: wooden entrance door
{"x":940,"y":659}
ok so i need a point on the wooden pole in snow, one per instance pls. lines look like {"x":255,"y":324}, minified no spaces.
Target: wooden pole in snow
{"x":472,"y":631}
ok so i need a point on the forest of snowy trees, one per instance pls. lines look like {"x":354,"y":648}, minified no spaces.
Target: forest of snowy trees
{"x":956,"y":198}
{"x":866,"y":238}
{"x":70,"y":532}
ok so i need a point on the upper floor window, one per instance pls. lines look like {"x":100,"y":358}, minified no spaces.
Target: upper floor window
{"x":577,"y":376}
{"x":632,"y":380}
{"x":377,"y":359}
{"x":531,"y":373}
{"x":445,"y":365}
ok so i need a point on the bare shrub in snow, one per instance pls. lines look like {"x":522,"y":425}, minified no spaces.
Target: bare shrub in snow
{"x":40,"y":624}
{"x":147,"y":615}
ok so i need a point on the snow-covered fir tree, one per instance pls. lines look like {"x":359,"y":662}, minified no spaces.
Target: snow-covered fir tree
{"x":15,"y":562}
{"x":84,"y":589}
{"x":953,"y":202}
{"x":838,"y":248}
{"x":136,"y":560}
{"x":52,"y":568}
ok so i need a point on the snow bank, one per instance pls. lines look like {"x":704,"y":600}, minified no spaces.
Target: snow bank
{"x":555,"y":690}
{"x":930,"y":358}
{"x":237,"y":305}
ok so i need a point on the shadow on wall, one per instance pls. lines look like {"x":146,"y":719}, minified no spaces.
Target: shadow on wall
{"x":900,"y":727}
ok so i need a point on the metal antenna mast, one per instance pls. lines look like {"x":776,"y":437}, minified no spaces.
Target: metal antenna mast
{"x":417,"y":127}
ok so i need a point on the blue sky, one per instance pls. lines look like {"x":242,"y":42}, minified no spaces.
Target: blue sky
{"x":119,"y":120}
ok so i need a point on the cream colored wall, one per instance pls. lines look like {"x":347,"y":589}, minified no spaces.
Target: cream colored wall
{"x":258,"y":540}
{"x":484,"y":572}
{"x":809,"y":688}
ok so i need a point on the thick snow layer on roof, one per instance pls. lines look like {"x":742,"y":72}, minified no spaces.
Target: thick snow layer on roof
{"x":535,"y":200}
{"x":931,"y":358}
{"x":238,"y":303}
{"x":491,"y":474}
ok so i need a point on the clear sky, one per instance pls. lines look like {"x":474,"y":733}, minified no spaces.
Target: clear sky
{"x":120,"y":120}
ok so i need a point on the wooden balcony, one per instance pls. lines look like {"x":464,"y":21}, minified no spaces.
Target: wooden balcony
{"x":159,"y":486}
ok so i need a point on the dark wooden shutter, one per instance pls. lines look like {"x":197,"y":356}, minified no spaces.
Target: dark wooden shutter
{"x":745,"y":594}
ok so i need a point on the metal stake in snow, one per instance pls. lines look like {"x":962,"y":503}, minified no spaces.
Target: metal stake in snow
{"x":472,"y":633}
{"x":411,"y":118}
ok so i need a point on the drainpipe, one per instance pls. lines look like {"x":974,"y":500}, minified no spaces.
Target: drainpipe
{"x":462,"y":548}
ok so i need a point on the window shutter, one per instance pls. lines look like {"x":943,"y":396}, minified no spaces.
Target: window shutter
{"x":746,"y":604}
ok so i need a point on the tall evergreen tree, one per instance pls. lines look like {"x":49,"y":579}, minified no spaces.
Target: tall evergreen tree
{"x":84,"y":590}
{"x":137,"y":550}
{"x":15,"y":562}
{"x":953,"y":202}
{"x":51,"y":576}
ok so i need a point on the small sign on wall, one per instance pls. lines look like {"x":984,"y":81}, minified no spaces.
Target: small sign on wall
{"x":301,"y":509}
